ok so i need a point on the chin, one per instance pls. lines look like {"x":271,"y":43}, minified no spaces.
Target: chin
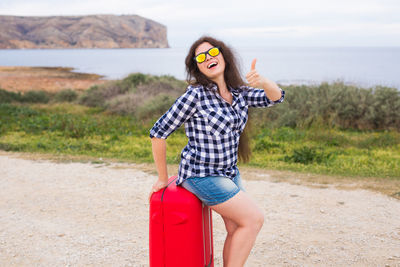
{"x":215,"y":74}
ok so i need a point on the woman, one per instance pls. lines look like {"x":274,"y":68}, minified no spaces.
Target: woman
{"x":214,"y":109}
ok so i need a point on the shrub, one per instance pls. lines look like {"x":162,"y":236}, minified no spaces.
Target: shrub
{"x":265,"y":144}
{"x":386,"y":139}
{"x":386,"y":108}
{"x":66,"y":95}
{"x":327,"y":105}
{"x":154,"y":107}
{"x":92,"y":97}
{"x":7,"y":96}
{"x":135,"y":79}
{"x":149,"y":100}
{"x":134,"y":95}
{"x":35,"y":97}
{"x":286,"y":134}
{"x":334,"y":105}
{"x":307,"y":155}
{"x":328,"y":137}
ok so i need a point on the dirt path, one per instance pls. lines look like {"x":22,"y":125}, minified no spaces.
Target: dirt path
{"x":82,"y":214}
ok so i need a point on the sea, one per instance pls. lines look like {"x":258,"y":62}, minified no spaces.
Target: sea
{"x":361,"y":66}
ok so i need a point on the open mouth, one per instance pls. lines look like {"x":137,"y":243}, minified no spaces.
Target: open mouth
{"x":212,"y":65}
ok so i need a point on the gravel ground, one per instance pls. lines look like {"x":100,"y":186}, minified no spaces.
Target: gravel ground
{"x":82,"y":214}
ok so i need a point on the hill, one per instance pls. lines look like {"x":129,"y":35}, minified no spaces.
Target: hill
{"x":94,"y":31}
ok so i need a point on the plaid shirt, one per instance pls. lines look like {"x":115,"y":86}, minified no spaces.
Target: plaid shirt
{"x":213,"y":128}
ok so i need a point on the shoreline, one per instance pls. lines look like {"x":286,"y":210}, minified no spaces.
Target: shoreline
{"x":54,"y":79}
{"x":50,"y":79}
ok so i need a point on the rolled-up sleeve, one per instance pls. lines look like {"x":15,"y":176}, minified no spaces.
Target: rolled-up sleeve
{"x":257,"y":97}
{"x":183,"y":108}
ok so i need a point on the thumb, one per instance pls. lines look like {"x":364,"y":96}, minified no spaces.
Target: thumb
{"x":253,"y":64}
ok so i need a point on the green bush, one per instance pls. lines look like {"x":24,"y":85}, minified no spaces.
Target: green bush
{"x":142,"y":96}
{"x":93,"y":97}
{"x":308,"y":155}
{"x":12,"y":147}
{"x":144,"y":102}
{"x":286,"y":134}
{"x":327,"y":136}
{"x":334,"y":105}
{"x":35,"y":97}
{"x":67,"y":95}
{"x":154,"y":107}
{"x":8,"y":97}
{"x":99,"y":95}
{"x":386,"y":139}
{"x":266,"y":144}
{"x":135,"y":79}
{"x":386,"y":108}
{"x":76,"y":130}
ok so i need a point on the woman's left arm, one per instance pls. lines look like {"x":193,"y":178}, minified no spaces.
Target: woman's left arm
{"x":254,"y":79}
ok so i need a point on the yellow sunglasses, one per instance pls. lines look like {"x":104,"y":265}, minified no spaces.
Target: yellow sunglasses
{"x":201,"y":57}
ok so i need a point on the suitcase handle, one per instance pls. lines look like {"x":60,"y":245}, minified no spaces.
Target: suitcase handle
{"x":170,"y":182}
{"x":211,"y":245}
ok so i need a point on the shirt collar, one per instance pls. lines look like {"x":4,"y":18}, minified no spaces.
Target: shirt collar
{"x":214,"y":87}
{"x":234,"y":91}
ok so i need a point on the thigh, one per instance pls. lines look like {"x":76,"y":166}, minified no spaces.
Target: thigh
{"x":240,"y":209}
{"x":230,"y":225}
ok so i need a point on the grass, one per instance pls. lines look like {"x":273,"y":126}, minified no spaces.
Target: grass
{"x":72,"y":129}
{"x":350,"y":138}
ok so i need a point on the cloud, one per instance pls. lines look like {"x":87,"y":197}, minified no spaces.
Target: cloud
{"x":312,"y":29}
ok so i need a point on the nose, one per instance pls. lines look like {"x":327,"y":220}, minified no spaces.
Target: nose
{"x":208,"y":57}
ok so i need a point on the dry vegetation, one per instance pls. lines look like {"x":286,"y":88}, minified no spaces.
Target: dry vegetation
{"x":50,"y":79}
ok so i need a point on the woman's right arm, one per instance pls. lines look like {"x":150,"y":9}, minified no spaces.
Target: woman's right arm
{"x":160,"y":159}
{"x":183,"y":108}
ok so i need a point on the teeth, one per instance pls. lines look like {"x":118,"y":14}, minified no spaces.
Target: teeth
{"x":212,"y":65}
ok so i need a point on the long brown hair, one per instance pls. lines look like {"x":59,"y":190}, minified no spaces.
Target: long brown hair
{"x":232,"y":79}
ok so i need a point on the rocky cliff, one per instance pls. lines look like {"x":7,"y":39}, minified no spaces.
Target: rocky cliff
{"x":96,"y":31}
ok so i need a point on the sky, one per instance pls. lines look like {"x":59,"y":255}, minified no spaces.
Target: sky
{"x":245,"y":23}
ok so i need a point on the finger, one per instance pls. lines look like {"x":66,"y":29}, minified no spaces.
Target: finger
{"x":253,"y":81}
{"x":153,"y":190}
{"x":253,"y":77}
{"x":251,"y":74}
{"x":253,"y":64}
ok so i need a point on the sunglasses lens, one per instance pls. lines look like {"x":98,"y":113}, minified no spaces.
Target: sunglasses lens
{"x":201,"y":57}
{"x":213,"y":52}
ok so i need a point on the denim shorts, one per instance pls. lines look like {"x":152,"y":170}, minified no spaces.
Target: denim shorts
{"x":213,"y":190}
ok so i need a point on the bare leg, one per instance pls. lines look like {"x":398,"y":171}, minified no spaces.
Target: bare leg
{"x":248,"y":219}
{"x":230,"y":229}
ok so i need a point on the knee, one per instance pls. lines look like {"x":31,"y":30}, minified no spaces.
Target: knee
{"x":231,"y":228}
{"x":258,"y":221}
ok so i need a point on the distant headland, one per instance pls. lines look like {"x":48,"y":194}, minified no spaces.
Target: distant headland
{"x":94,"y":31}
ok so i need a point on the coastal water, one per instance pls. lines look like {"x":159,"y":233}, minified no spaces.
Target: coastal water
{"x":364,"y":66}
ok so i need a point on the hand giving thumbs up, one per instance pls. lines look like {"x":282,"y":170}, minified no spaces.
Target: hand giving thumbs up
{"x":253,"y":78}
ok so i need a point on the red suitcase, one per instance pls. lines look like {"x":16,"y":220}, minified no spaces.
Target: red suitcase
{"x":180,"y":229}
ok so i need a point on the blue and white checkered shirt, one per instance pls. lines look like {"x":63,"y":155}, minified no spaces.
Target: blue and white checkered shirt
{"x":213,"y":127}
